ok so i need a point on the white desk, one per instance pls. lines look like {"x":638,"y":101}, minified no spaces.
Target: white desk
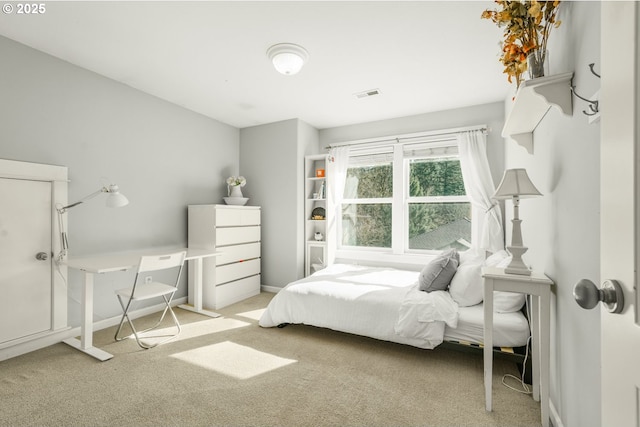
{"x":106,"y":263}
{"x":539,"y":287}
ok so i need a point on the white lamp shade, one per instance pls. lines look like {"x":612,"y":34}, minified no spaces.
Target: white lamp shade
{"x":114,"y":198}
{"x":516,"y":182}
{"x":287,"y":58}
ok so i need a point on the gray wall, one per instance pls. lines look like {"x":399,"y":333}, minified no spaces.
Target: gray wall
{"x":162,"y":156}
{"x":562,"y":228}
{"x":271,"y":158}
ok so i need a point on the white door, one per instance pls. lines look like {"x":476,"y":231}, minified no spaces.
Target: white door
{"x":25,"y":281}
{"x":620,"y":117}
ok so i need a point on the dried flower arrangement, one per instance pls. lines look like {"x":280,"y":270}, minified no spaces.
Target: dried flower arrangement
{"x":527,"y":28}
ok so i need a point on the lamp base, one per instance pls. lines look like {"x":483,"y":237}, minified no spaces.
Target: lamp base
{"x":517,"y":266}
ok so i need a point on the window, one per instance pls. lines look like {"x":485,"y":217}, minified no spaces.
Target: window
{"x":368,"y":201}
{"x":405,"y":198}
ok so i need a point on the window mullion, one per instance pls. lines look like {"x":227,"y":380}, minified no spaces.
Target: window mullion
{"x":398,"y":212}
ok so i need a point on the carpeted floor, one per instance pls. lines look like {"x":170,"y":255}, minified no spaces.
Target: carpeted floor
{"x":230,"y":372}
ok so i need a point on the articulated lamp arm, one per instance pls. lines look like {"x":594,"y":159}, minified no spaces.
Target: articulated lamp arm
{"x":64,"y":209}
{"x":114,"y":200}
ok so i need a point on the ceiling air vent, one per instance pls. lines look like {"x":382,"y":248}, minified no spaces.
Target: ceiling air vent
{"x":367,"y":93}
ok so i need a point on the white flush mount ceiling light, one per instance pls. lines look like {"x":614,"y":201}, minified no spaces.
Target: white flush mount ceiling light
{"x":287,"y":58}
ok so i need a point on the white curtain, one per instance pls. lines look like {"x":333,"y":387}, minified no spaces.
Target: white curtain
{"x":487,"y":232}
{"x":337,"y":177}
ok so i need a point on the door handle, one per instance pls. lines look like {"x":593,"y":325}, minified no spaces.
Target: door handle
{"x":587,"y":295}
{"x":42,"y":256}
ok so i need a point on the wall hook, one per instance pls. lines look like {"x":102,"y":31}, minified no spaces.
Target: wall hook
{"x":593,"y":105}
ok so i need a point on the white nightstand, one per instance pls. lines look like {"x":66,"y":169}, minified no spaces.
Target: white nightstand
{"x":539,"y":287}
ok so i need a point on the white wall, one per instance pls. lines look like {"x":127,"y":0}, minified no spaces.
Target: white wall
{"x":272,"y":160}
{"x":162,"y":156}
{"x":562,"y":228}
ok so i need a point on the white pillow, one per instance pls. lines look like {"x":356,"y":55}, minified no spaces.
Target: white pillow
{"x":496,"y":259}
{"x":504,"y":302}
{"x":507,"y":302}
{"x":466,"y":286}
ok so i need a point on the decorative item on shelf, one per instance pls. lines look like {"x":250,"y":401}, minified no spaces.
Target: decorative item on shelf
{"x":527,"y":28}
{"x":234,"y":192}
{"x":537,"y":63}
{"x":323,"y":191}
{"x":318,"y":236}
{"x":318,"y":213}
{"x":514,"y":185}
{"x":319,"y":173}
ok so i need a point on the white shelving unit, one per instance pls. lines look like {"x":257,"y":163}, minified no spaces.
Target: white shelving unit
{"x":315,"y":200}
{"x":532,"y":101}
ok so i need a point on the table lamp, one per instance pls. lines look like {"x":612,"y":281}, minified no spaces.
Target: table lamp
{"x":514,"y":185}
{"x":114,"y":200}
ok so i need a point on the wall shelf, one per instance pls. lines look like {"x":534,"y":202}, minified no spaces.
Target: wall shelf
{"x":532,"y":101}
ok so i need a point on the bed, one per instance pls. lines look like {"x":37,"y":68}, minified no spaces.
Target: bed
{"x":387,"y":304}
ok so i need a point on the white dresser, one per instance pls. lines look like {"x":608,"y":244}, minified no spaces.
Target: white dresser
{"x":234,"y":231}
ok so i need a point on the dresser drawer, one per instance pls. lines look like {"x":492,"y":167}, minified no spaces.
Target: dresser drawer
{"x":237,"y":235}
{"x":238,"y":290}
{"x":238,"y":270}
{"x":237,"y":217}
{"x":235,"y":253}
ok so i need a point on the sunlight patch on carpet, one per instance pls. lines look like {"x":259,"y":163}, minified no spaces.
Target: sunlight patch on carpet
{"x":233,"y":360}
{"x":191,"y":330}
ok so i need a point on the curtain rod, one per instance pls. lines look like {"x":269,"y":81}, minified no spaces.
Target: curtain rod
{"x":403,"y":138}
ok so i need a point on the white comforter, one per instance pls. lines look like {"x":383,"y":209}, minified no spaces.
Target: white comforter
{"x":380,"y":303}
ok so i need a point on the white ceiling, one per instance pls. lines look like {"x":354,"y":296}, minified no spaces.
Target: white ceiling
{"x":210,"y":56}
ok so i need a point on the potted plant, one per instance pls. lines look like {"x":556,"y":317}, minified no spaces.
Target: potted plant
{"x":527,"y":25}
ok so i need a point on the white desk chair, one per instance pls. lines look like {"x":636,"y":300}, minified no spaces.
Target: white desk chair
{"x":143,"y":291}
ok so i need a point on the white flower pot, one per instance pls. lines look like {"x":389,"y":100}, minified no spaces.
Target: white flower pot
{"x":235,"y":191}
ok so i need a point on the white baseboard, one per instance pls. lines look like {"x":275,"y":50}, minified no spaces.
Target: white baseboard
{"x":33,"y":343}
{"x":46,"y":339}
{"x":554,"y":416}
{"x":272,"y":289}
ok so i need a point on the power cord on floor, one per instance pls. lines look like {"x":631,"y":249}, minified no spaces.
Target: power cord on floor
{"x":525,"y":387}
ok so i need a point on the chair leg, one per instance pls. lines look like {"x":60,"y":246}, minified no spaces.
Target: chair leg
{"x":125,"y":316}
{"x":137,"y":334}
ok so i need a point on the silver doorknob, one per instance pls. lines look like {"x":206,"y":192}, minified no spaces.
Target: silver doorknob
{"x":42,"y":256}
{"x":588,"y":295}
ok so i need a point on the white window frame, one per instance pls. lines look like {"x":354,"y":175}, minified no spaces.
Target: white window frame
{"x":371,"y":201}
{"x":400,"y":202}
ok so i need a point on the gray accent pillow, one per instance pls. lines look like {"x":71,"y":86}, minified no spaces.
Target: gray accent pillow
{"x":437,"y":275}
